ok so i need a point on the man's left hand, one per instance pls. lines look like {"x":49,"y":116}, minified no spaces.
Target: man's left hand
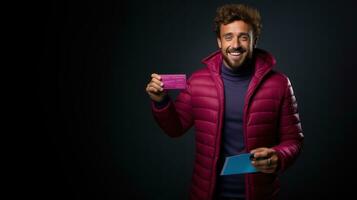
{"x":265,"y":159}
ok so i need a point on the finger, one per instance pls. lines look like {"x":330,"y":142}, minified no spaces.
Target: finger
{"x":263,"y":153}
{"x":260,"y":163}
{"x":258,"y":150}
{"x":154,"y":90}
{"x":271,"y":169}
{"x":155,"y":76}
{"x":155,"y":85}
{"x":268,"y":171}
{"x":264,"y":166}
{"x":157,"y":81}
{"x":272,"y":161}
{"x":260,"y":155}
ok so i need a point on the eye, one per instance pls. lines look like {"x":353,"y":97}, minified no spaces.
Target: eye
{"x":228,"y":37}
{"x":244,"y":38}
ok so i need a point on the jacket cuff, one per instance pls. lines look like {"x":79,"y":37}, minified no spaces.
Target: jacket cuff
{"x":281,"y":167}
{"x":162,"y":105}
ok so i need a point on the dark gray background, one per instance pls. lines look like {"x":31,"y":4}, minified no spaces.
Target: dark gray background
{"x":95,"y":136}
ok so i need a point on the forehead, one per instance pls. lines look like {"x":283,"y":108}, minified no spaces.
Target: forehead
{"x":235,"y":27}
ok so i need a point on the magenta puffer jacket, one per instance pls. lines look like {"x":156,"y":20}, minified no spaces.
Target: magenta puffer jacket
{"x":270,"y":119}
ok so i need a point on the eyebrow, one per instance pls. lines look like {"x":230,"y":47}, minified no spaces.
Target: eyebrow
{"x":240,"y":34}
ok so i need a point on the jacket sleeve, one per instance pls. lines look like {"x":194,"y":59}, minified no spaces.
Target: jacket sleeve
{"x":290,"y":131}
{"x":176,"y":117}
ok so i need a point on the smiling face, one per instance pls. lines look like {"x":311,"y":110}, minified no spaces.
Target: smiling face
{"x":236,"y":42}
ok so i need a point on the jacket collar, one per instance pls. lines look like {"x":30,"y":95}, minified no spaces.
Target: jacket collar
{"x":263,"y":62}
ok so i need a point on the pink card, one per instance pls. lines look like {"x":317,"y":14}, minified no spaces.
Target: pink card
{"x":174,"y":81}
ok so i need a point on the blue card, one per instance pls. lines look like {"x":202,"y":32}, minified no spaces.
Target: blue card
{"x":239,"y":164}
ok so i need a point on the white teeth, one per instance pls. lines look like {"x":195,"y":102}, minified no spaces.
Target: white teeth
{"x":235,"y":54}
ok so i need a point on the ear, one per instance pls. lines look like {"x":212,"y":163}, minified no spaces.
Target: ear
{"x":255,"y":42}
{"x":219,"y":42}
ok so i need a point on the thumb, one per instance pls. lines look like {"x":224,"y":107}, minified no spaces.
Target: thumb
{"x":258,"y":150}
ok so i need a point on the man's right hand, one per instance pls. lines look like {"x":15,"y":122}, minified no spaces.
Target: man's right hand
{"x":155,"y":88}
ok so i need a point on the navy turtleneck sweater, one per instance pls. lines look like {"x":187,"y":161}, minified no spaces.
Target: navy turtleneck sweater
{"x":235,"y":86}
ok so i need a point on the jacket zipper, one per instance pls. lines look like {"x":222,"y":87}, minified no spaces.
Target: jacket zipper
{"x":245,"y":136}
{"x":218,"y":131}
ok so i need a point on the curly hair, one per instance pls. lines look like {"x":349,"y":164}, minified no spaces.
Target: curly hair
{"x":231,"y":12}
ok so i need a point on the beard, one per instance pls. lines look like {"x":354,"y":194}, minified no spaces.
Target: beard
{"x":236,"y":57}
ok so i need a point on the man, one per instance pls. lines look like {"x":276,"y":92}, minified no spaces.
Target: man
{"x":237,"y":104}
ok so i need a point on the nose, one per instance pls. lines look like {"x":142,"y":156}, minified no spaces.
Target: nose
{"x":236,"y":43}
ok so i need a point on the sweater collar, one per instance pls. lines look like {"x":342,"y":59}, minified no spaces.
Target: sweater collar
{"x":242,"y":73}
